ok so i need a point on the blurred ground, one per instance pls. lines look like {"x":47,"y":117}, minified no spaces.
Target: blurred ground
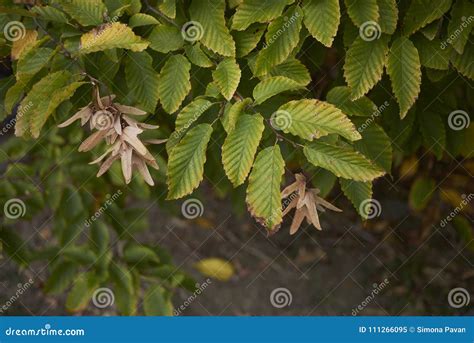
{"x":330,"y":272}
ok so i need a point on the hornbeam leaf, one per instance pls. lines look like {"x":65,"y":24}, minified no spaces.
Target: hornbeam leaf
{"x":168,"y":7}
{"x":404,"y":69}
{"x":341,"y":98}
{"x":342,"y":161}
{"x":197,"y":56}
{"x":292,"y":69}
{"x":263,"y":192}
{"x":311,"y":118}
{"x":273,"y":86}
{"x":240,"y":147}
{"x":186,"y":162}
{"x":166,"y":38}
{"x":142,"y":80}
{"x":461,"y":17}
{"x":142,"y":19}
{"x":422,"y":12}
{"x":111,"y":36}
{"x":233,"y":112}
{"x":215,"y":34}
{"x":49,"y":13}
{"x":246,"y":41}
{"x":174,"y":82}
{"x":464,"y":63}
{"x":86,"y":12}
{"x":227,"y":77}
{"x":281,"y":38}
{"x":359,"y":193}
{"x":388,"y":11}
{"x":362,"y":11}
{"x":32,"y":62}
{"x":191,"y":113}
{"x":322,"y":17}
{"x":257,"y":11}
{"x":364,"y":64}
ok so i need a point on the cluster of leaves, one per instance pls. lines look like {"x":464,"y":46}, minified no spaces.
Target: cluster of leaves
{"x":250,"y":76}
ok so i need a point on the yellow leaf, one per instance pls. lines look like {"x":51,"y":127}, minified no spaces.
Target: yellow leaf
{"x":409,"y":167}
{"x":216,"y":268}
{"x":24,"y":44}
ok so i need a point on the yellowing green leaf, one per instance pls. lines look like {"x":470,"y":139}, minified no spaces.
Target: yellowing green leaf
{"x":142,"y":19}
{"x":421,"y":192}
{"x":463,"y":63}
{"x":86,"y":12}
{"x":111,"y":36}
{"x":422,"y":12}
{"x":191,"y":112}
{"x":216,"y":268}
{"x":263,"y":191}
{"x":168,"y":7}
{"x":341,"y":98}
{"x":240,"y":147}
{"x":233,"y":112}
{"x":322,"y":17}
{"x":273,"y":86}
{"x":343,"y":161}
{"x":197,"y":56}
{"x":174,"y":82}
{"x":166,"y":38}
{"x":311,"y":118}
{"x":461,"y":24}
{"x":227,"y":77}
{"x":404,"y":69}
{"x":32,"y":62}
{"x":388,"y":11}
{"x":156,"y":302}
{"x":292,"y":69}
{"x":364,"y":65}
{"x":215,"y":34}
{"x":357,"y":192}
{"x":257,"y":11}
{"x":186,"y":162}
{"x":246,"y":41}
{"x":362,"y":11}
{"x":81,"y":292}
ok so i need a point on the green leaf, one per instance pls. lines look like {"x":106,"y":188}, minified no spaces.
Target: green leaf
{"x":257,"y":11}
{"x":463,"y":63}
{"x":32,"y":62}
{"x":233,"y":112}
{"x":190,"y":113}
{"x":292,"y":69}
{"x":49,"y":13}
{"x":240,"y":146}
{"x":142,"y":19}
{"x":433,"y":131}
{"x":14,"y":95}
{"x":404,"y":69}
{"x":86,"y":12}
{"x":431,"y":53}
{"x":215,"y":34}
{"x":461,"y":24}
{"x":125,"y":296}
{"x":263,"y":192}
{"x":341,"y":98}
{"x":362,"y":11}
{"x":156,"y":303}
{"x":322,"y":17}
{"x":174,"y":82}
{"x":342,"y":161}
{"x":227,"y":77}
{"x":62,"y":275}
{"x":388,"y":11}
{"x":142,"y":80}
{"x":364,"y":65}
{"x":168,"y":7}
{"x":100,"y":237}
{"x":422,"y":12}
{"x":81,"y":292}
{"x":186,"y":162}
{"x":421,"y":192}
{"x":197,"y":56}
{"x":166,"y":38}
{"x":430,"y":31}
{"x":281,"y":38}
{"x":246,"y":41}
{"x":43,"y":98}
{"x":375,"y":144}
{"x":358,"y":193}
{"x":273,"y":86}
{"x":135,"y":254}
{"x":111,"y":36}
{"x":311,"y":118}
